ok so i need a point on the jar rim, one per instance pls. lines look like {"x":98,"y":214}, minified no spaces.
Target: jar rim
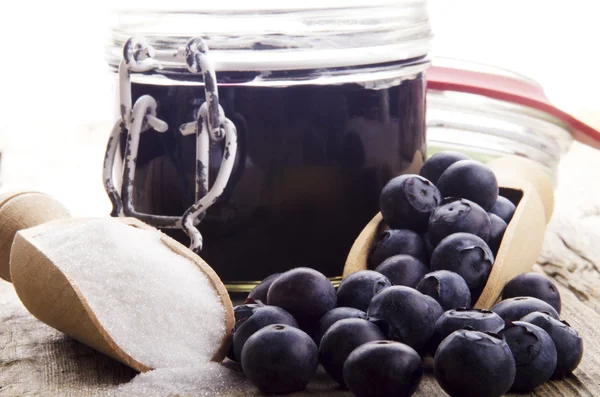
{"x":288,"y":38}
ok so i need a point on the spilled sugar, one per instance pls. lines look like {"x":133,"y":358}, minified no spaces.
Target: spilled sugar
{"x":158,"y":306}
{"x":207,"y":379}
{"x":211,"y":379}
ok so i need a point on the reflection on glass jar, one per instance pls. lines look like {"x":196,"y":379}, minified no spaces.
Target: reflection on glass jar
{"x":487,"y":128}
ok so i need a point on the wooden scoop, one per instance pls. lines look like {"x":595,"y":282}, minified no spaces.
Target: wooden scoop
{"x":55,"y":299}
{"x":22,"y":210}
{"x":519,"y":180}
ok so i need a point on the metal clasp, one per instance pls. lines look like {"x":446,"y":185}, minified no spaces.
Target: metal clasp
{"x":210,"y":126}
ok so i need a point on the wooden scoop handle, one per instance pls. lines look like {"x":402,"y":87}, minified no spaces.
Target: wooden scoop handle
{"x":22,"y":210}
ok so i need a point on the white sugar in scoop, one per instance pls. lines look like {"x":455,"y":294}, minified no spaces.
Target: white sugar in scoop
{"x":155,"y":304}
{"x":130,"y":292}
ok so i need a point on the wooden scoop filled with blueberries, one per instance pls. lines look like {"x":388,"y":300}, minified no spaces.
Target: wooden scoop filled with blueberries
{"x":484,"y":223}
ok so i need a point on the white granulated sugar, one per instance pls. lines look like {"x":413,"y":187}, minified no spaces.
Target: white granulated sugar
{"x":211,"y":379}
{"x":205,"y":380}
{"x":158,"y":306}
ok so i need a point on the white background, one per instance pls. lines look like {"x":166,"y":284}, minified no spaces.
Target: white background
{"x":58,"y":46}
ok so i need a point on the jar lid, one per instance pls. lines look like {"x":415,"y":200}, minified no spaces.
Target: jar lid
{"x":507,"y":86}
{"x":267,"y":35}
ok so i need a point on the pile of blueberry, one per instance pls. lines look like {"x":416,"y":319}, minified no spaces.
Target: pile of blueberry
{"x":372,"y":334}
{"x":378,"y":350}
{"x":450,"y":218}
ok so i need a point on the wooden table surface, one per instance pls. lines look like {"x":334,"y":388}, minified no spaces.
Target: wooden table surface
{"x":37,"y":360}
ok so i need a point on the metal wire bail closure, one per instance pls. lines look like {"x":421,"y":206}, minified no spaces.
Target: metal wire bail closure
{"x":211,"y":126}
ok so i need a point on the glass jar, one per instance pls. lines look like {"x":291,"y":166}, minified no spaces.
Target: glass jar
{"x":486,"y":126}
{"x":328,"y":101}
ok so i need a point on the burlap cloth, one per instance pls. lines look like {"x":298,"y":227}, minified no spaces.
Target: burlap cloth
{"x":36,"y":360}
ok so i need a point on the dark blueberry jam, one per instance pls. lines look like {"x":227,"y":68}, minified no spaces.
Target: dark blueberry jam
{"x":312,"y":160}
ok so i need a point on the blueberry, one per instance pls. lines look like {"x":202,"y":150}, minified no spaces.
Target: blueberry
{"x":341,"y":339}
{"x":514,"y":309}
{"x":535,"y":285}
{"x":305,"y":293}
{"x":471,"y":180}
{"x":448,"y":288}
{"x":534,"y":353}
{"x":396,"y":242}
{"x":407,"y":201}
{"x":258,"y":319}
{"x":241,"y":313}
{"x":334,"y":315}
{"x":409,"y":314}
{"x":383,"y":369}
{"x":474,"y":364}
{"x":504,"y":208}
{"x":435,"y":166}
{"x":357,"y":289}
{"x":259,"y":293}
{"x":428,"y":245}
{"x":455,"y":319}
{"x":403,"y":270}
{"x":478,"y":319}
{"x":497,"y":233}
{"x":568,"y":343}
{"x":455,"y":215}
{"x":245,"y":310}
{"x":280,"y":359}
{"x":467,"y":255}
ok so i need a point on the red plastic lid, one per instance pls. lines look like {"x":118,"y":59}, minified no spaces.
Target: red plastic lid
{"x":508,"y":89}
